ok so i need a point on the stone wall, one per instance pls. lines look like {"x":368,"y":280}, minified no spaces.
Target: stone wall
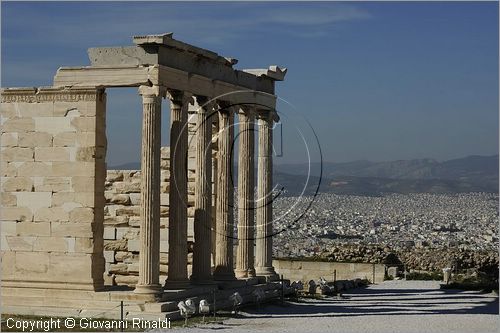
{"x":122,"y":214}
{"x":313,"y":270}
{"x":53,"y":148}
{"x":428,"y":259}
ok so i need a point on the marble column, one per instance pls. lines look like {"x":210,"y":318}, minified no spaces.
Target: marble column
{"x":245,"y":252}
{"x":264,"y":203}
{"x":177,"y":220}
{"x":203,"y":194}
{"x":149,"y":258}
{"x":224,"y":269}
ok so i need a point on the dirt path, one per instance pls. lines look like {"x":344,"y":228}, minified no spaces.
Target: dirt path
{"x":392,"y":306}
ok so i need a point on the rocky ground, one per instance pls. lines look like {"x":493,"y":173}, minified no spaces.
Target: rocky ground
{"x":424,"y":259}
{"x":393,"y":306}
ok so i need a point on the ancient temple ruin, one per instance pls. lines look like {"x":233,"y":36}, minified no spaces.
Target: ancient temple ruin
{"x":54,"y":178}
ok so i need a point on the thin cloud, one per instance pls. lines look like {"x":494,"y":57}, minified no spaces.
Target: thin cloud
{"x":317,"y":15}
{"x":115,"y":24}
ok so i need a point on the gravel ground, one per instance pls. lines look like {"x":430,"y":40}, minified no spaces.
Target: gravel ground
{"x":392,"y":306}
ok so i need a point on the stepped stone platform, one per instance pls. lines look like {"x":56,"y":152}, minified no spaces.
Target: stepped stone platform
{"x":107,"y":303}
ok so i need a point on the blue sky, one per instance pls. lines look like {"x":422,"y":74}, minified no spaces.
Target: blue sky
{"x":377,"y":81}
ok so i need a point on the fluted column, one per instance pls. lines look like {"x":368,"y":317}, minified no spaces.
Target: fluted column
{"x":244,"y":255}
{"x":177,"y":216}
{"x":224,"y":269}
{"x":203,"y":194}
{"x":149,"y":258}
{"x":264,"y":202}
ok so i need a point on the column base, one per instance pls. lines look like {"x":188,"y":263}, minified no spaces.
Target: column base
{"x":207,"y":280}
{"x":224,"y":276}
{"x":177,"y":284}
{"x":244,"y":273}
{"x":267,"y":273}
{"x":203,"y":282}
{"x":148,"y":289}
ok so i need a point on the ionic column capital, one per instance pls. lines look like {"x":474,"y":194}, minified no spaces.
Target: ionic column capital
{"x":225,"y":107}
{"x":179,"y":97}
{"x":269,"y":115}
{"x":152,"y":91}
{"x":247,"y":111}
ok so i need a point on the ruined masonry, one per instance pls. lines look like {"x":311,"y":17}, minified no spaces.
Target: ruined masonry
{"x":77,"y":239}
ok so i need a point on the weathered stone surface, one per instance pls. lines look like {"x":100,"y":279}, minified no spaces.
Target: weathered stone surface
{"x":86,"y":139}
{"x":134,"y":221}
{"x":164,"y":199}
{"x":50,"y":244}
{"x":73,"y":169}
{"x":74,"y":109}
{"x":52,"y":214}
{"x":16,"y":154}
{"x":68,"y":109}
{"x":109,"y":233}
{"x":109,"y":256}
{"x":135,"y":199}
{"x":127,"y":187}
{"x":120,"y":255}
{"x":134,"y":245}
{"x":8,"y":169}
{"x":85,"y":199}
{"x":164,"y":211}
{"x":82,"y":183}
{"x":53,"y":125}
{"x":16,"y":184}
{"x":20,"y":243}
{"x":16,"y":214}
{"x":52,"y":154}
{"x":73,"y":266}
{"x":82,"y":215}
{"x":114,"y":176}
{"x":19,"y":125}
{"x":35,"y":139}
{"x":71,"y":229}
{"x":117,"y":245}
{"x":84,"y":124}
{"x":65,"y":139}
{"x":86,"y":154}
{"x":9,"y":110}
{"x":29,"y":110}
{"x":128,"y":233}
{"x":31,"y":263}
{"x":129,"y":280}
{"x":9,"y":140}
{"x":116,"y":220}
{"x":120,"y":199}
{"x":163,"y":258}
{"x":34,"y":200}
{"x":8,"y":199}
{"x":33,"y":228}
{"x":128,"y":211}
{"x":54,"y":184}
{"x":8,"y":228}
{"x":84,"y":245}
{"x":35,"y":169}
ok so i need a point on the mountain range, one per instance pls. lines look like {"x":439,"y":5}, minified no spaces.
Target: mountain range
{"x":469,"y":174}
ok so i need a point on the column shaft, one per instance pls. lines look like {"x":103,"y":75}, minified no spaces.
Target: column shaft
{"x":149,"y":261}
{"x":177,"y":222}
{"x":245,"y":253}
{"x":224,"y":269}
{"x":264,"y":202}
{"x":203,"y":194}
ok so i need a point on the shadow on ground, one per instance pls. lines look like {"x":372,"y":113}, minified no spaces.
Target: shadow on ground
{"x":384,"y":302}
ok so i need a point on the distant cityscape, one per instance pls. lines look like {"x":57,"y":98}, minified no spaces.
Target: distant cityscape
{"x":468,"y":221}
